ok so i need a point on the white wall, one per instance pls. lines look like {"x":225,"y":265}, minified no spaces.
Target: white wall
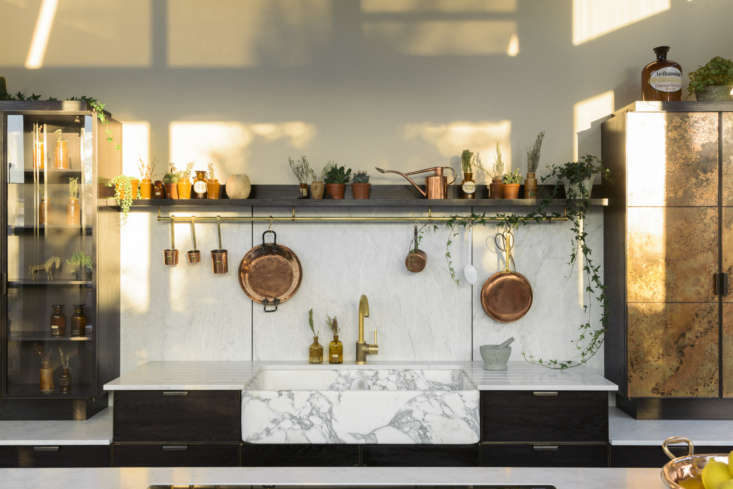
{"x":399,"y":83}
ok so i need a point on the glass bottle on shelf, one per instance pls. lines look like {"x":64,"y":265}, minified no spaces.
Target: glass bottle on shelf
{"x":46,"y":375}
{"x":78,"y":321}
{"x":336,"y":350}
{"x":315,"y":352}
{"x":58,"y":320}
{"x":200,"y":185}
{"x":661,"y":79}
{"x":61,"y":155}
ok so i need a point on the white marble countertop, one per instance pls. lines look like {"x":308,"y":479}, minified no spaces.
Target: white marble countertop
{"x":142,"y":478}
{"x":96,"y":430}
{"x":235,"y":375}
{"x":625,"y":430}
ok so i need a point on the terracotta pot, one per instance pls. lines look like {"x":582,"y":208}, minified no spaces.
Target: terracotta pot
{"x":317,"y":189}
{"x":171,"y":190}
{"x":134,"y":186}
{"x":184,"y":189}
{"x":213,"y":189}
{"x":496,"y":189}
{"x":73,"y":212}
{"x":336,"y":190}
{"x":361,"y":191}
{"x":146,"y":188}
{"x":510,"y":190}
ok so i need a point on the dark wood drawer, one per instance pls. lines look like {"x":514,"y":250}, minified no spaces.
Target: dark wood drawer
{"x":652,"y":456}
{"x":297,"y":455}
{"x":421,"y":455}
{"x":189,"y":416}
{"x":176,"y":455}
{"x":55,"y":456}
{"x":543,"y":455}
{"x":540,"y":416}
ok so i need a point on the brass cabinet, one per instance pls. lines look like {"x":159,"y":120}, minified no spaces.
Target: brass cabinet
{"x":668,"y":245}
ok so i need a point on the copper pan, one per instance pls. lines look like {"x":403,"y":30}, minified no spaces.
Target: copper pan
{"x":270,"y":273}
{"x":507,"y":295}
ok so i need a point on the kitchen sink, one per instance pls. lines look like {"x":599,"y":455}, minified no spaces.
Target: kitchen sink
{"x":361,"y":406}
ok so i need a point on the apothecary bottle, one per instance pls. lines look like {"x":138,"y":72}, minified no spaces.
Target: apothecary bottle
{"x":315,"y":352}
{"x":336,"y":350}
{"x":58,"y":320}
{"x":200,"y":185}
{"x":78,"y":321}
{"x":661,"y":79}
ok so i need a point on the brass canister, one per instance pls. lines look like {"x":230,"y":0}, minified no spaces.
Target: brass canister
{"x":46,"y":377}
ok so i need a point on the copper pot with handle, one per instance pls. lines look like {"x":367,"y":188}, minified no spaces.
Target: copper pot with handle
{"x":436,"y":185}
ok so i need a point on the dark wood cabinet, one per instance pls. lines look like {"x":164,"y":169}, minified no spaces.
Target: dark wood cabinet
{"x":55,"y":456}
{"x":420,"y":455}
{"x":177,"y":416}
{"x":543,"y":455}
{"x":176,"y":455}
{"x":300,"y":455}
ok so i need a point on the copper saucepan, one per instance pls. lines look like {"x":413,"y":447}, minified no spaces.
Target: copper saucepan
{"x":507,"y":295}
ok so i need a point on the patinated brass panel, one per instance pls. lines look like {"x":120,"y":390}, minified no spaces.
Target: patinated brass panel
{"x":727,"y":379}
{"x":673,"y":350}
{"x":672,"y":158}
{"x":672,"y":254}
{"x":727,"y":158}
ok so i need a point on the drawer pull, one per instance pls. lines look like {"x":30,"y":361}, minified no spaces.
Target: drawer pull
{"x":175,"y":393}
{"x":545,"y":393}
{"x":174,"y":448}
{"x":545,"y":448}
{"x":47,"y":449}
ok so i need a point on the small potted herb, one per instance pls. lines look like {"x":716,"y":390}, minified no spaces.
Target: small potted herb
{"x":511,"y":182}
{"x":360,"y":186}
{"x":184,"y":182}
{"x":125,"y":192}
{"x":496,"y":188}
{"x":302,"y":170}
{"x":713,"y":82}
{"x":82,"y":264}
{"x":170,"y":180}
{"x":213,"y":187}
{"x":73,"y":210}
{"x":335,"y":348}
{"x":577,"y":176}
{"x":315,"y":351}
{"x":533,"y":162}
{"x":336,"y":178}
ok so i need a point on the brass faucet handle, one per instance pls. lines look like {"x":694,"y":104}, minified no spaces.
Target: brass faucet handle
{"x":375,"y":338}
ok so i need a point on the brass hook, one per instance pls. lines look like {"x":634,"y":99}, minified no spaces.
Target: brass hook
{"x":269,"y":225}
{"x":430,"y":213}
{"x":293,"y":214}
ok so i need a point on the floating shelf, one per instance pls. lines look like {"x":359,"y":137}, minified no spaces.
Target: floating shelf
{"x":45,"y":283}
{"x":29,"y":230}
{"x":41,"y":336}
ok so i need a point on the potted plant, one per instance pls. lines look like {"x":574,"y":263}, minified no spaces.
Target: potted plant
{"x":73,"y":210}
{"x":124,"y":191}
{"x":317,"y":186}
{"x":533,"y":162}
{"x":336,"y":178}
{"x":496,"y":188}
{"x":213,"y":187}
{"x":82,"y":264}
{"x":315,"y":351}
{"x":335,"y":348}
{"x":170,"y":180}
{"x":511,"y":182}
{"x":146,"y":178}
{"x":302,"y":170}
{"x":184,"y":182}
{"x":713,"y":82}
{"x":360,"y":186}
{"x":577,"y":176}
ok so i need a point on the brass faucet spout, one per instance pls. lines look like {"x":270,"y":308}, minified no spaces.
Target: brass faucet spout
{"x":362,"y":347}
{"x":363,"y":313}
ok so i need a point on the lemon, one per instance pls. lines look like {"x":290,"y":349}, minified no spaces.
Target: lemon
{"x":714,"y":474}
{"x":726,"y":485}
{"x":730,"y":466}
{"x":695,"y":483}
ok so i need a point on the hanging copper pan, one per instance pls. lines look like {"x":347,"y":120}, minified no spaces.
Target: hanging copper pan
{"x":507,"y":295}
{"x":270,"y":273}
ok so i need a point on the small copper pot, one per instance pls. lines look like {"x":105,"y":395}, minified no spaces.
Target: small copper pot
{"x":219,"y":259}
{"x":416,"y":258}
{"x":194,"y":255}
{"x":170,"y":256}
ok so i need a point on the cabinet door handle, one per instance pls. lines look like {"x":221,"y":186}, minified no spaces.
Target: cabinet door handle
{"x":175,"y":393}
{"x":174,"y":448}
{"x":545,"y":393}
{"x":720,"y":284}
{"x":545,"y":448}
{"x":47,"y":449}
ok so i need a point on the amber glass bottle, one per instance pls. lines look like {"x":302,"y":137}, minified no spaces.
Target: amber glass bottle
{"x":315,"y":352}
{"x":336,"y":350}
{"x":661,"y":79}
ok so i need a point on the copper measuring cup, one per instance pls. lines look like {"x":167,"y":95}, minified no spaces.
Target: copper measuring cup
{"x":219,"y":260}
{"x":416,"y":258}
{"x":170,"y":256}
{"x":194,"y":255}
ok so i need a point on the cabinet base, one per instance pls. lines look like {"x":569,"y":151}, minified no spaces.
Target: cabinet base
{"x":51,"y":409}
{"x":676,"y":408}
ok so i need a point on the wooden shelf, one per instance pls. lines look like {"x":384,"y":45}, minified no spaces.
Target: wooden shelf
{"x":46,"y":283}
{"x":42,"y":336}
{"x":29,"y":230}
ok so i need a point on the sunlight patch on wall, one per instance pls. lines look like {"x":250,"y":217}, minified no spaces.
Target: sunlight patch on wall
{"x":589,"y":110}
{"x":228,"y":33}
{"x":395,"y":6}
{"x":41,"y":33}
{"x":595,"y":18}
{"x":443,"y":37}
{"x":135,"y":255}
{"x":136,"y":137}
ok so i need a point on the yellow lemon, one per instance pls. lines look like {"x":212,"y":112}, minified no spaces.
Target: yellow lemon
{"x":726,"y":485}
{"x":714,"y":474}
{"x":730,"y":459}
{"x":695,"y":483}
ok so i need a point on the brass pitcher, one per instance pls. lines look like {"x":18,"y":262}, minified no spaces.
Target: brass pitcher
{"x":436,"y":185}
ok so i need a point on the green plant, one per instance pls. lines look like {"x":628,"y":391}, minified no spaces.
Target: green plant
{"x":513,"y":177}
{"x":717,"y":71}
{"x":499,"y":165}
{"x":467,"y":161}
{"x":310,"y":323}
{"x":123,"y":192}
{"x":73,"y":188}
{"x":574,"y":174}
{"x":333,"y":323}
{"x":333,"y":173}
{"x":80,"y":260}
{"x":361,"y":177}
{"x":301,"y":169}
{"x":186,"y":173}
{"x":533,"y":155}
{"x":171,"y":176}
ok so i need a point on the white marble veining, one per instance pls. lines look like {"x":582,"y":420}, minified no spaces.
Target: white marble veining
{"x":626,"y":430}
{"x":142,"y":478}
{"x":185,"y":376}
{"x":521,"y":376}
{"x":377,"y":405}
{"x":96,"y":430}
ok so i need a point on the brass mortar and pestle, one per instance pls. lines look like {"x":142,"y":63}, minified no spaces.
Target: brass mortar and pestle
{"x":170,"y":256}
{"x":219,"y":260}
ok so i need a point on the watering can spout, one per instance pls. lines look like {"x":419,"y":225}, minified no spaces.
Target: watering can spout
{"x":436,"y":185}
{"x":422,"y":192}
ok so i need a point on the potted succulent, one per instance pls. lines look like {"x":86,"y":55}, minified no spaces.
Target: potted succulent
{"x":336,"y":178}
{"x":317,"y":186}
{"x":713,"y":82}
{"x":577,"y":176}
{"x":496,"y":188}
{"x":533,"y":162}
{"x":184,"y":182}
{"x":125,"y":191}
{"x":82,"y":265}
{"x":315,"y":351}
{"x":170,"y":180}
{"x":73,"y":210}
{"x":360,"y":186}
{"x":302,"y":170}
{"x":511,"y":182}
{"x":213,"y":187}
{"x":146,"y":176}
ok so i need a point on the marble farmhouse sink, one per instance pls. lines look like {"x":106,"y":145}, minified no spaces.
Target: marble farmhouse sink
{"x":360,"y":406}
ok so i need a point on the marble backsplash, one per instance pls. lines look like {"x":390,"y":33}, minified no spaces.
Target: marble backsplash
{"x":188,"y":313}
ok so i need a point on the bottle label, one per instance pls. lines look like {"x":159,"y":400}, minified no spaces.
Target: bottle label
{"x":667,"y":79}
{"x":468,"y":187}
{"x":199,"y":186}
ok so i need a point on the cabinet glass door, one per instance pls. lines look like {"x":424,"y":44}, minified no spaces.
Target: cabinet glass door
{"x":727,"y":252}
{"x":50,"y":228}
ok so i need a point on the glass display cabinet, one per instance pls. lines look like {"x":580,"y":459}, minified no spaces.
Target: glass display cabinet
{"x":60,"y":260}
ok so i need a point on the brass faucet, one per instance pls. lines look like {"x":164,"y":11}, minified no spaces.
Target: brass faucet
{"x":362,"y":347}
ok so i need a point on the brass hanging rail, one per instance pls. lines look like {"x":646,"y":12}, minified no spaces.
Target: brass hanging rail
{"x":339,"y":219}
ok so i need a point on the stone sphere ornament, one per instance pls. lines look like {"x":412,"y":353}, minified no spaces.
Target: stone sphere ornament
{"x":238,"y":186}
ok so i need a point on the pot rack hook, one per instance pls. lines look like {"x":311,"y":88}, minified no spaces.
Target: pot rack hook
{"x":218,"y":229}
{"x":193,"y":231}
{"x":269,"y":224}
{"x":430,"y":213}
{"x":173,"y":233}
{"x":292,"y":216}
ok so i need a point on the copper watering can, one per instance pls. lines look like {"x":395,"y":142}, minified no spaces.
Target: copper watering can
{"x":436,"y":185}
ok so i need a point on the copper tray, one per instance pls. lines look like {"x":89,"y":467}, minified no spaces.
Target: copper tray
{"x":506,"y":296}
{"x":270,"y":273}
{"x":687,"y":466}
